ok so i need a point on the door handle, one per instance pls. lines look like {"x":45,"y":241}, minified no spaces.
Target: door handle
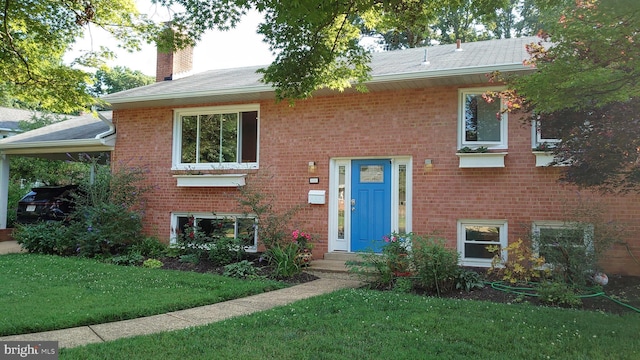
{"x":353,"y":205}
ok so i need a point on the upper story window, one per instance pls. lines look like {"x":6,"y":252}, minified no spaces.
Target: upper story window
{"x":545,"y":136}
{"x":216,"y":138}
{"x":478,"y":121}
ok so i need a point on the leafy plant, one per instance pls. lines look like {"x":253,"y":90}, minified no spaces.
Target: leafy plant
{"x":272,"y":224}
{"x":41,"y":237}
{"x":151,"y":247}
{"x":152,"y":264}
{"x":468,"y":280}
{"x":372,"y":269}
{"x":574,"y":251}
{"x":403,"y":285}
{"x":108,"y":215}
{"x":131,"y":259}
{"x":435,"y":265}
{"x":242,"y":270}
{"x":189,"y":258}
{"x":558,"y":293}
{"x":468,"y":150}
{"x":226,"y":250}
{"x":521,"y":264}
{"x":284,"y":259}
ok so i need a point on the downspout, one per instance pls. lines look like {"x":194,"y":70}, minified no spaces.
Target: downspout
{"x":112,"y":130}
{"x":104,"y":139}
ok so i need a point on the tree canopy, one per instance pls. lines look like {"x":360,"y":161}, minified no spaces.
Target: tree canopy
{"x":586,"y":87}
{"x":111,"y":80}
{"x":35,"y":35}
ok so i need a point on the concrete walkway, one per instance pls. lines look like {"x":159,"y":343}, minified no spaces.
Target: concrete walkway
{"x":180,"y":319}
{"x":8,"y":247}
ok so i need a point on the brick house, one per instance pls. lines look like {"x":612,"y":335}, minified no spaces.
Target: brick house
{"x":365,"y":164}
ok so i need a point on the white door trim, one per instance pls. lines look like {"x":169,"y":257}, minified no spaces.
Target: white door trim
{"x":343,"y":242}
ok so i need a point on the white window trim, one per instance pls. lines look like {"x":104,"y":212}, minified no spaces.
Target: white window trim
{"x":502,"y":224}
{"x":177,"y":138}
{"x":207,"y":215}
{"x":536,"y":136}
{"x":504,"y":129}
{"x":546,"y":224}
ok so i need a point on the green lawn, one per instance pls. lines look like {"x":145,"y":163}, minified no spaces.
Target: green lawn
{"x":365,"y":324}
{"x":40,"y":292}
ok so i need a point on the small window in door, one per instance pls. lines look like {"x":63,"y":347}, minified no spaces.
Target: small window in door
{"x":371,"y":174}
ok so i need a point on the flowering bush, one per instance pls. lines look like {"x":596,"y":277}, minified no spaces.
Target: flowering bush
{"x":302,"y":238}
{"x":396,"y":244}
{"x":289,"y":258}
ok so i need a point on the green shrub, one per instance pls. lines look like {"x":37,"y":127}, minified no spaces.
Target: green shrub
{"x":435,"y":266}
{"x":558,"y":294}
{"x":226,"y":250}
{"x":41,"y":237}
{"x":403,"y":285}
{"x":107,"y":220}
{"x":150,"y":247}
{"x":575,"y":250}
{"x":109,"y":229}
{"x":372,"y":269}
{"x":242,"y":270}
{"x":273,"y":223}
{"x":152,"y":264}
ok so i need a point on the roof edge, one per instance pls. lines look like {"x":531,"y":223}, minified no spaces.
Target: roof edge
{"x":426,"y":74}
{"x":54,"y":146}
{"x":396,"y":77}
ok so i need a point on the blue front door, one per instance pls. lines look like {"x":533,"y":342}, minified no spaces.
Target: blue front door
{"x":370,"y":203}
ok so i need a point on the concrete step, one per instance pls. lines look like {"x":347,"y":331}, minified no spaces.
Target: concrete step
{"x":333,"y":266}
{"x":341,"y":256}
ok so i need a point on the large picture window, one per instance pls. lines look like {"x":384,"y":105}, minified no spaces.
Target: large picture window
{"x":219,"y":137}
{"x":475,"y":235}
{"x":231,"y":226}
{"x":481,"y":122}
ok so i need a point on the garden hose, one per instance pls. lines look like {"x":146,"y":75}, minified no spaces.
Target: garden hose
{"x":529,"y":291}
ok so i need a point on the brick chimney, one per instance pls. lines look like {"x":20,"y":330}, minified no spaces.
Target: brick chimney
{"x":174,"y":65}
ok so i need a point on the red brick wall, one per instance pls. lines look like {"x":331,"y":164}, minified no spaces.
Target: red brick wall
{"x":419,"y":123}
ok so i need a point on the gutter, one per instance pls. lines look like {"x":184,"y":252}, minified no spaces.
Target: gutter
{"x":37,"y":147}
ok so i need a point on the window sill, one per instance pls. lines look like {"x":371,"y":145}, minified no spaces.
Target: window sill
{"x":211,"y":180}
{"x":482,"y":160}
{"x":476,"y":263}
{"x":545,"y":158}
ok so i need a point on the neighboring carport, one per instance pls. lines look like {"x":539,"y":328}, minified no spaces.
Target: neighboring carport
{"x":89,"y":134}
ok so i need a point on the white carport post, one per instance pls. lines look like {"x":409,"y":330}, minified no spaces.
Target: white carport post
{"x":4,"y":190}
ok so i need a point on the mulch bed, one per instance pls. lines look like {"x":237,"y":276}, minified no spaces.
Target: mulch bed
{"x":625,"y":289}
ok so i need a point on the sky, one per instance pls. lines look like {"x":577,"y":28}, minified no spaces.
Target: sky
{"x":238,"y":47}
